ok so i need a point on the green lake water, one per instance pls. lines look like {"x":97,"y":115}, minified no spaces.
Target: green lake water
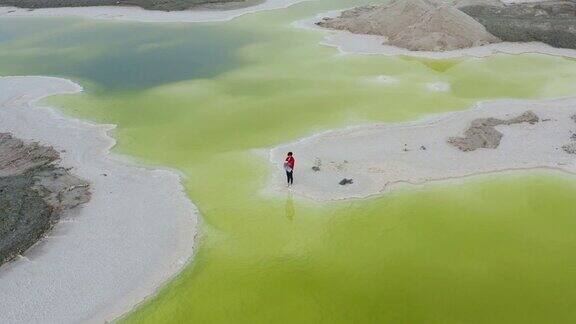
{"x":201,"y":97}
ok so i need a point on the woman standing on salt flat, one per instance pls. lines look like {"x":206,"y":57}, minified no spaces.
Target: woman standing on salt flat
{"x":289,"y":167}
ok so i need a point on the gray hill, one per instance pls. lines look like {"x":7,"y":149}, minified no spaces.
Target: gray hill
{"x":419,"y":25}
{"x":550,"y":22}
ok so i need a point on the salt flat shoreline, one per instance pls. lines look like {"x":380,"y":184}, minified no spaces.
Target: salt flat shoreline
{"x":349,"y":43}
{"x":99,"y":262}
{"x":381,"y":157}
{"x":152,"y":16}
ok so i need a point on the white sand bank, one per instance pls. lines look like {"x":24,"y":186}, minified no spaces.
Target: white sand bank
{"x":378,"y":157}
{"x":142,"y":15}
{"x":349,"y":43}
{"x":137,"y":231}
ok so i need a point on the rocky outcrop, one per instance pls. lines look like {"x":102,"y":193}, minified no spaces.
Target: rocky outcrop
{"x":419,"y":25}
{"x":482,"y":133}
{"x":34,"y":192}
{"x":165,"y":5}
{"x":550,"y":22}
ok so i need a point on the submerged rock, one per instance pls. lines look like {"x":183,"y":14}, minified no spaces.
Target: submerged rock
{"x":550,"y":22}
{"x":419,"y":25}
{"x":483,"y":134}
{"x":34,"y":192}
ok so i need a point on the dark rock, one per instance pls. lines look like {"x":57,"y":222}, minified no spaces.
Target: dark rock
{"x":417,"y":25}
{"x":345,"y":181}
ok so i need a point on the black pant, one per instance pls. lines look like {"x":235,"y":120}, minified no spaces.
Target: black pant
{"x":290,"y":177}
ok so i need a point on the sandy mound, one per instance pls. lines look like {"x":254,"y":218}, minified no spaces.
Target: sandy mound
{"x":419,"y":25}
{"x":482,"y":132}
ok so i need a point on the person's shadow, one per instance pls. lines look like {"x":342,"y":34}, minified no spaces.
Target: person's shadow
{"x":289,"y":207}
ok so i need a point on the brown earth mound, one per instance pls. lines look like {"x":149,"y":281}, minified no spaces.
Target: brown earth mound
{"x":419,"y":25}
{"x":483,"y":134}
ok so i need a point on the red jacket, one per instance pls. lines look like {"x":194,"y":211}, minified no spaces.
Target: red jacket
{"x":290,"y":161}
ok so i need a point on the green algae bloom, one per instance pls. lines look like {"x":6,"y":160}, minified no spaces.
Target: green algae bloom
{"x":491,"y":249}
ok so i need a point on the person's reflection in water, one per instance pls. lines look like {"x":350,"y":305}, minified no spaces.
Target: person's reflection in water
{"x":290,"y":211}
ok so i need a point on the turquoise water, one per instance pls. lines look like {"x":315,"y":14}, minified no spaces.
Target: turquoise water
{"x":485,"y":250}
{"x":117,"y":56}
